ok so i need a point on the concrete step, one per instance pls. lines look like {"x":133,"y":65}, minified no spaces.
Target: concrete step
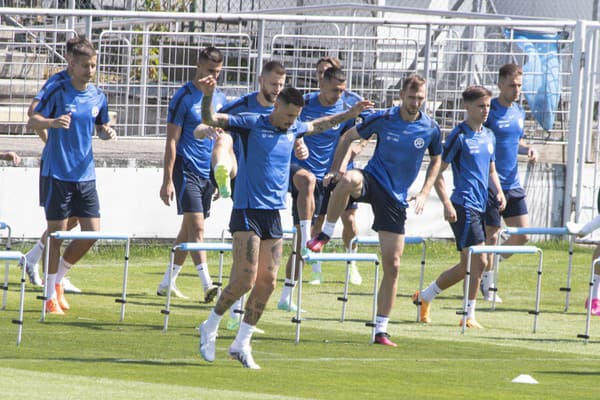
{"x":22,"y":65}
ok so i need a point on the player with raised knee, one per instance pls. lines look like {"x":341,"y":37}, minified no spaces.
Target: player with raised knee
{"x":470,"y":150}
{"x":69,"y":110}
{"x":309,"y":194}
{"x":228,"y":147}
{"x":267,"y":143}
{"x":404,"y":134}
{"x":187,"y":172}
{"x":506,"y":120}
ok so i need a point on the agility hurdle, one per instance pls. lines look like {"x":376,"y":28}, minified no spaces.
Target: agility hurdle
{"x":15,"y":256}
{"x":586,"y":335}
{"x":221,"y":247}
{"x":87,"y":235}
{"x":374,"y":241}
{"x":4,"y":225}
{"x":554,"y":231}
{"x":503,"y":250}
{"x":327,"y":257}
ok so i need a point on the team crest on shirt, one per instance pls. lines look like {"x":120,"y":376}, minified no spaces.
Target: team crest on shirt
{"x":419,"y":143}
{"x":490,"y":148}
{"x":95,"y":111}
{"x":336,"y":127}
{"x":521,"y":123}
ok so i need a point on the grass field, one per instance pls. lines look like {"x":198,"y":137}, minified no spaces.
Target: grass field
{"x":89,"y":354}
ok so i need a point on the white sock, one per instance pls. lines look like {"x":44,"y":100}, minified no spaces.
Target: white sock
{"x":591,"y":226}
{"x":244,"y":334}
{"x":286,"y":292}
{"x":329,"y":228}
{"x":351,"y":250}
{"x":202,"y":270}
{"x":304,"y":233}
{"x":165,"y":279}
{"x":235,"y":306}
{"x":471,"y":309}
{"x":430,"y":292}
{"x":33,"y":256}
{"x":213,"y":321}
{"x":381,"y":324}
{"x":63,"y":269}
{"x":596,"y":287}
{"x":316,"y":267}
{"x":50,"y":289}
{"x":487,"y":280}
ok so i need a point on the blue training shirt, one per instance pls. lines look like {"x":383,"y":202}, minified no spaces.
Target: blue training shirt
{"x":246,"y":104}
{"x":59,"y":76}
{"x":322,"y":146}
{"x":69,"y":155}
{"x":400,"y":148}
{"x":470,"y":154}
{"x":506,"y":124}
{"x":264,"y":163}
{"x":185,"y":111}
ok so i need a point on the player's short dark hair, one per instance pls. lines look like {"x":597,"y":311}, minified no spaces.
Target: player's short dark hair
{"x":273,"y":66}
{"x":74,"y":41}
{"x":334,"y":73}
{"x":291,"y":95}
{"x":413,"y":81}
{"x":210,"y":53}
{"x":473,"y":93}
{"x":333,"y":61}
{"x":508,"y":70}
{"x":83,"y":48}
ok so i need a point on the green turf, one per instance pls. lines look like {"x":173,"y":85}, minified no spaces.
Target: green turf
{"x":89,"y":354}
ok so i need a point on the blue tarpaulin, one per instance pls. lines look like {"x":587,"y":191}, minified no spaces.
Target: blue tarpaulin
{"x":541,"y":73}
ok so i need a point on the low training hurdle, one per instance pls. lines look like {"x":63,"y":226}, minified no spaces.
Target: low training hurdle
{"x":374,"y":241}
{"x":15,"y":256}
{"x":586,"y":335}
{"x":87,"y":235}
{"x":347,"y":257}
{"x":221,"y":247}
{"x":5,"y":226}
{"x":503,"y":250}
{"x":554,"y":231}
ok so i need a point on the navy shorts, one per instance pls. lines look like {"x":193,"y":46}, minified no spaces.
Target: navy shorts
{"x":515,"y":206}
{"x":352,"y":204}
{"x":318,"y":195}
{"x":71,"y":199}
{"x":194,"y":193}
{"x":389,"y":215}
{"x":469,"y":228}
{"x":265,"y":223}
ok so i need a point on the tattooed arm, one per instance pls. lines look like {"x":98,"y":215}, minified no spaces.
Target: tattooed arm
{"x":324,"y":123}
{"x":209,"y":117}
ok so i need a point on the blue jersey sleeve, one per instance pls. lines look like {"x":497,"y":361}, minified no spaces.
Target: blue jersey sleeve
{"x":242,"y":123}
{"x":103,"y":117}
{"x":47,"y":104}
{"x":178,"y":107}
{"x":435,"y":146}
{"x":452,"y":146}
{"x":369,"y":125}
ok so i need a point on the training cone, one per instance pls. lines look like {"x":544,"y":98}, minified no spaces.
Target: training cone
{"x":525,"y":379}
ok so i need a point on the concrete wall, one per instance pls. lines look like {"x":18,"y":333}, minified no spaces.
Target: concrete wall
{"x":130,"y":203}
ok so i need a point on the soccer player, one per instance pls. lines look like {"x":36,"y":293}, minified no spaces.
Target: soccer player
{"x":309,"y":194}
{"x":349,"y":228}
{"x":32,"y":257}
{"x":187,"y":172}
{"x":12,"y":157}
{"x":69,"y":110}
{"x":470,"y":150}
{"x":584,"y":230}
{"x":404,"y":133}
{"x":271,"y":82}
{"x":261,"y":184}
{"x":506,"y":122}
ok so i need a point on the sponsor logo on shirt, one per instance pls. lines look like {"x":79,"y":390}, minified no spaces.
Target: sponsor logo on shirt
{"x":393,"y":137}
{"x":472,"y":145}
